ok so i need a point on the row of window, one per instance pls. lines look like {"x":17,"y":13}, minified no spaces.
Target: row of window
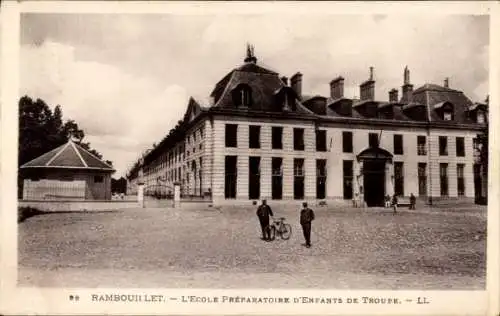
{"x":399,"y":179}
{"x":231,"y":140}
{"x":348,"y":178}
{"x":193,"y":136}
{"x":179,"y":153}
{"x":443,"y":178}
{"x":276,"y":178}
{"x":373,"y":141}
{"x":175,"y":174}
{"x":276,"y":165}
{"x":174,"y":157}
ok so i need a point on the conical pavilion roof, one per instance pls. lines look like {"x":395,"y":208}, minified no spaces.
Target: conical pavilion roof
{"x":69,"y":156}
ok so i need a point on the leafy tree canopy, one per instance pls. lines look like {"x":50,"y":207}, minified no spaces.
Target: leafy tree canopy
{"x":41,"y":130}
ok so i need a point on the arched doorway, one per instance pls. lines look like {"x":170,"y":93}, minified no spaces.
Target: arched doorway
{"x":374,"y":161}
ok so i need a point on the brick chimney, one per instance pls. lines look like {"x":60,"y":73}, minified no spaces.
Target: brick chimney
{"x":284,"y":80}
{"x":407,"y":87}
{"x":337,"y":88}
{"x":367,"y":88}
{"x":393,"y":96}
{"x":446,"y":82}
{"x":296,"y":84}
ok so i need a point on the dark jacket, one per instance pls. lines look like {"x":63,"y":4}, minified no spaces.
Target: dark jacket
{"x":394,"y":200}
{"x":264,"y":211}
{"x":306,"y":216}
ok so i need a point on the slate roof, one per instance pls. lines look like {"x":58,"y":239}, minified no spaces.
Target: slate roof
{"x":424,"y":104}
{"x":69,"y":156}
{"x":431,"y":95}
{"x":264,"y":84}
{"x":428,"y":96}
{"x":193,"y":108}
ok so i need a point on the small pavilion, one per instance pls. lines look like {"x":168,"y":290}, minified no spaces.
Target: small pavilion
{"x":68,"y":172}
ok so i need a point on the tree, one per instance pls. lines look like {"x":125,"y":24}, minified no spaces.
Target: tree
{"x":37,"y":129}
{"x":70,"y":129}
{"x":41,"y":130}
{"x":90,"y":150}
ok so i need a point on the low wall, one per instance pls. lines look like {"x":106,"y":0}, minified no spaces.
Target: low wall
{"x":60,"y":206}
{"x":287,"y":202}
{"x":340,"y":202}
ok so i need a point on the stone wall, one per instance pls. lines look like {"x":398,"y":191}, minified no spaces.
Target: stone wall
{"x":61,"y":206}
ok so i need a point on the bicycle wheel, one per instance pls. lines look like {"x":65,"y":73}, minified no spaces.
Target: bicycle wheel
{"x":286,"y":231}
{"x":272,"y":232}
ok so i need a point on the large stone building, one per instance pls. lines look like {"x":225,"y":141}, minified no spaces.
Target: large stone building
{"x":262,"y":138}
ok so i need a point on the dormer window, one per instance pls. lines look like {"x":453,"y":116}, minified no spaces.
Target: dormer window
{"x":480,"y":117}
{"x":445,"y":110}
{"x":386,"y":113}
{"x":447,"y":116}
{"x":285,"y":99}
{"x":242,"y":96}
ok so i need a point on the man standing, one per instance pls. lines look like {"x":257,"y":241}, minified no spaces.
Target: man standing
{"x":306,"y":217}
{"x":263,"y":212}
{"x":394,"y":203}
{"x":387,"y":201}
{"x":413,"y":201}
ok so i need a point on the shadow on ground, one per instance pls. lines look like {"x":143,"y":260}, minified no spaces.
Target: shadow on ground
{"x":24,"y":213}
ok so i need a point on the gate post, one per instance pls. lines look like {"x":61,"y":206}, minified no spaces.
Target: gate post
{"x":177,"y":194}
{"x":140,"y":194}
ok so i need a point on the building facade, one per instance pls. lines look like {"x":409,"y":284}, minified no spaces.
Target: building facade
{"x":262,"y":138}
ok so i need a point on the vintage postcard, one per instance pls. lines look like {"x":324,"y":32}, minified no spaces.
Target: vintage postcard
{"x":319,"y":158}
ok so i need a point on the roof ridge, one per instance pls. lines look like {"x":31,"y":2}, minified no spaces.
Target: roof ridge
{"x":91,"y":154}
{"x":231,"y":78}
{"x":78,"y":153}
{"x":270,"y":73}
{"x":57,"y":154}
{"x":435,"y":87}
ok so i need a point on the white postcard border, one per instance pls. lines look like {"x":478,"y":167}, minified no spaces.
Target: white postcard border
{"x":55,"y":301}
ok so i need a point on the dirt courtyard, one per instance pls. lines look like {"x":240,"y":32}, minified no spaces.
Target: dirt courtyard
{"x":434,"y":249}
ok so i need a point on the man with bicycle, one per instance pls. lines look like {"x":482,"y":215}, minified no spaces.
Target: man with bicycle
{"x":263,"y":212}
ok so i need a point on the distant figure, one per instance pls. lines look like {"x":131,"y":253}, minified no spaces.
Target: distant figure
{"x":361,"y":201}
{"x":122,"y":196}
{"x":306,"y":217}
{"x":413,"y":201}
{"x":387,"y":201}
{"x":263,"y":212}
{"x":355,"y":200}
{"x":394,"y":203}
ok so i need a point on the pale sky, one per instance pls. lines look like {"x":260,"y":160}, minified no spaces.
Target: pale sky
{"x":126,"y":79}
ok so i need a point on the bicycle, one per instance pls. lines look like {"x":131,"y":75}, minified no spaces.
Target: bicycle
{"x":281,"y":228}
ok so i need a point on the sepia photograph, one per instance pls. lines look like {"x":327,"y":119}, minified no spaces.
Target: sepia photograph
{"x":267,"y":151}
